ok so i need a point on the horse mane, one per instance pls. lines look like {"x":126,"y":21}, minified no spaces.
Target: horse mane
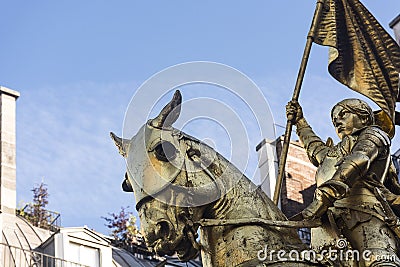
{"x":237,"y":180}
{"x":218,"y":156}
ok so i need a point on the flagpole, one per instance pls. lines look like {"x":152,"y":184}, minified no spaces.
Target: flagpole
{"x":295,"y":97}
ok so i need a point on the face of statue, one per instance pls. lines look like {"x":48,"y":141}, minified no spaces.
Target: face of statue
{"x":346,"y":122}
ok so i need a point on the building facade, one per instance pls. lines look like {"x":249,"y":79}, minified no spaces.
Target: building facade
{"x":395,"y":25}
{"x":17,"y":234}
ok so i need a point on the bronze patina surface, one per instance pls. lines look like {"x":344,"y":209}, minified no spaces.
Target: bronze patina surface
{"x":170,"y":181}
{"x":173,"y":182}
{"x":182,"y":185}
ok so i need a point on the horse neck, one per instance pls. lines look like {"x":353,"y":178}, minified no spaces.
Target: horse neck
{"x":242,"y":199}
{"x":239,"y":196}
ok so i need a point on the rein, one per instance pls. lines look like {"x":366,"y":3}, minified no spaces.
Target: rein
{"x":259,"y":221}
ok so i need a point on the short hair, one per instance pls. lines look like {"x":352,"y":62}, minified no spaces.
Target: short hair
{"x":357,"y":106}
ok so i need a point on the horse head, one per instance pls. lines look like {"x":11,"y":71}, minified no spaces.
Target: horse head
{"x":171,"y":175}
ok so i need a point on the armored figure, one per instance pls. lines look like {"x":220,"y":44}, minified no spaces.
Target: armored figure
{"x":348,"y":177}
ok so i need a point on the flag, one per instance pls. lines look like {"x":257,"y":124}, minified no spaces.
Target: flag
{"x":362,"y":55}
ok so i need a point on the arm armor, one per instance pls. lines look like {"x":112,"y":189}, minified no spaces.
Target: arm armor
{"x":354,"y":165}
{"x":372,"y":144}
{"x":315,"y":147}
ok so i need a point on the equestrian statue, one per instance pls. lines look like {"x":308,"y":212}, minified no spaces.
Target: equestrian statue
{"x":184,"y":188}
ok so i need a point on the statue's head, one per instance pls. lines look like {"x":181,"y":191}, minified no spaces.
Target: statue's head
{"x":165,"y":191}
{"x":351,"y":115}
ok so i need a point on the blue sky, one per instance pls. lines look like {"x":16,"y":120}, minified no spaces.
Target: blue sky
{"x":78,"y":63}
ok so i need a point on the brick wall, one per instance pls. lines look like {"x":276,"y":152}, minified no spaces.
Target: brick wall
{"x":299,"y":182}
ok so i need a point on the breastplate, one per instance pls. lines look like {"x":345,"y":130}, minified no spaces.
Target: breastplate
{"x":328,"y":167}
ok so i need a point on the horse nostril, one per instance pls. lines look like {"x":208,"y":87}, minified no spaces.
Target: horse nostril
{"x":163,"y":228}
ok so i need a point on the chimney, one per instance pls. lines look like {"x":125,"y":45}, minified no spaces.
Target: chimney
{"x":395,"y":25}
{"x":268,"y":165}
{"x":8,"y":193}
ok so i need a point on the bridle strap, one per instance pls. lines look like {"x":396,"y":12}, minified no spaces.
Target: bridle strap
{"x":259,"y":221}
{"x":196,"y":159}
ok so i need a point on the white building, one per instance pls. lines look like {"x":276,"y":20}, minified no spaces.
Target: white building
{"x":268,"y":165}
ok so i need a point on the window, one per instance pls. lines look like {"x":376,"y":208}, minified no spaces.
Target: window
{"x":84,"y":255}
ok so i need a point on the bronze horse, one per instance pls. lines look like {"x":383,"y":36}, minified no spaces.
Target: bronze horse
{"x":182,"y":185}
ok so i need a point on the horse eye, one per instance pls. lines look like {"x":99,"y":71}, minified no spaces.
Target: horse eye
{"x":165,"y":151}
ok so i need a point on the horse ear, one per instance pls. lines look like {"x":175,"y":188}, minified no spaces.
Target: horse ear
{"x":170,"y":113}
{"x":122,"y":144}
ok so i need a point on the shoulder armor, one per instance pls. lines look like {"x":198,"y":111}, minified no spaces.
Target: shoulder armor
{"x":375,"y":134}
